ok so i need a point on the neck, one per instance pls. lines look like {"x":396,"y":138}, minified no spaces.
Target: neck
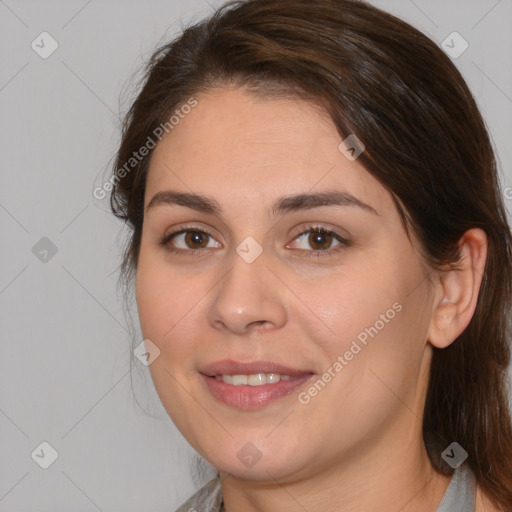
{"x":399,"y":477}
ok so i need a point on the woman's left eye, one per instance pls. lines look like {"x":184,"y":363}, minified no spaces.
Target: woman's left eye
{"x":321,"y":240}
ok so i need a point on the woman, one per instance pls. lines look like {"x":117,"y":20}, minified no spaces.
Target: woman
{"x":322,"y":262}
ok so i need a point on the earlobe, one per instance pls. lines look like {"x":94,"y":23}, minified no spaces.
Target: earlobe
{"x":457,"y":290}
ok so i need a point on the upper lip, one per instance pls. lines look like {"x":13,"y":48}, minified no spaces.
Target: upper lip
{"x":230,"y":367}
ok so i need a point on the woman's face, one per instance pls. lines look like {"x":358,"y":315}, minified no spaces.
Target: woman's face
{"x":344,"y":312}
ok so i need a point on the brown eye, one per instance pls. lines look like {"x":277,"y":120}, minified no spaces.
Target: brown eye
{"x":320,"y":239}
{"x":196,"y":239}
{"x":189,"y":241}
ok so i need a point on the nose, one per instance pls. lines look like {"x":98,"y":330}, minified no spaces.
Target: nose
{"x":248,"y":298}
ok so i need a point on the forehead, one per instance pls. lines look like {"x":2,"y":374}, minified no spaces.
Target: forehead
{"x":234,"y":145}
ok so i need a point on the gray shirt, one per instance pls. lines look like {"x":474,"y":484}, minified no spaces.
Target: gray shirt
{"x":459,"y":496}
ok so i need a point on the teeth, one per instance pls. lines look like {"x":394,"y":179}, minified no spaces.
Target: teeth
{"x":255,"y":379}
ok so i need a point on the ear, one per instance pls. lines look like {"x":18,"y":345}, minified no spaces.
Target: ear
{"x":457,"y":290}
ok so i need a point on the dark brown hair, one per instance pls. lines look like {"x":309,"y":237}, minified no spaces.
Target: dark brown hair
{"x":426,"y":143}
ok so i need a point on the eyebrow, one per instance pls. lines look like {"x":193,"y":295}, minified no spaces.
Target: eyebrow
{"x":283,"y":205}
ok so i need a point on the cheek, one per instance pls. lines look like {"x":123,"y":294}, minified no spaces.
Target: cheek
{"x":160,"y":297}
{"x":371,"y":370}
{"x":372,"y":326}
{"x":169,"y":304}
{"x":165,"y":304}
{"x":148,"y":290}
{"x":350,"y":306}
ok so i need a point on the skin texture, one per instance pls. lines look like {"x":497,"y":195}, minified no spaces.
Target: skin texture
{"x":357,"y":444}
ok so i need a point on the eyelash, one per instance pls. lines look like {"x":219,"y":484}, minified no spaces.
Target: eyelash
{"x":309,"y":229}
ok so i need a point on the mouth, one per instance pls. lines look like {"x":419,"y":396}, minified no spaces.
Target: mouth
{"x":252,"y":385}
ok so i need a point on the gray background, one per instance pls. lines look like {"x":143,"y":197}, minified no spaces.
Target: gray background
{"x":65,"y":339}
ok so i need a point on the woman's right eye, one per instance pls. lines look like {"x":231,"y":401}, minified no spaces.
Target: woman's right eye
{"x":188,"y":240}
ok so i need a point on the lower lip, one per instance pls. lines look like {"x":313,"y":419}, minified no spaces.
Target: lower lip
{"x":252,"y":397}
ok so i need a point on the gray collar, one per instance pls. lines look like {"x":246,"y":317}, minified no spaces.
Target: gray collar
{"x":459,"y":496}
